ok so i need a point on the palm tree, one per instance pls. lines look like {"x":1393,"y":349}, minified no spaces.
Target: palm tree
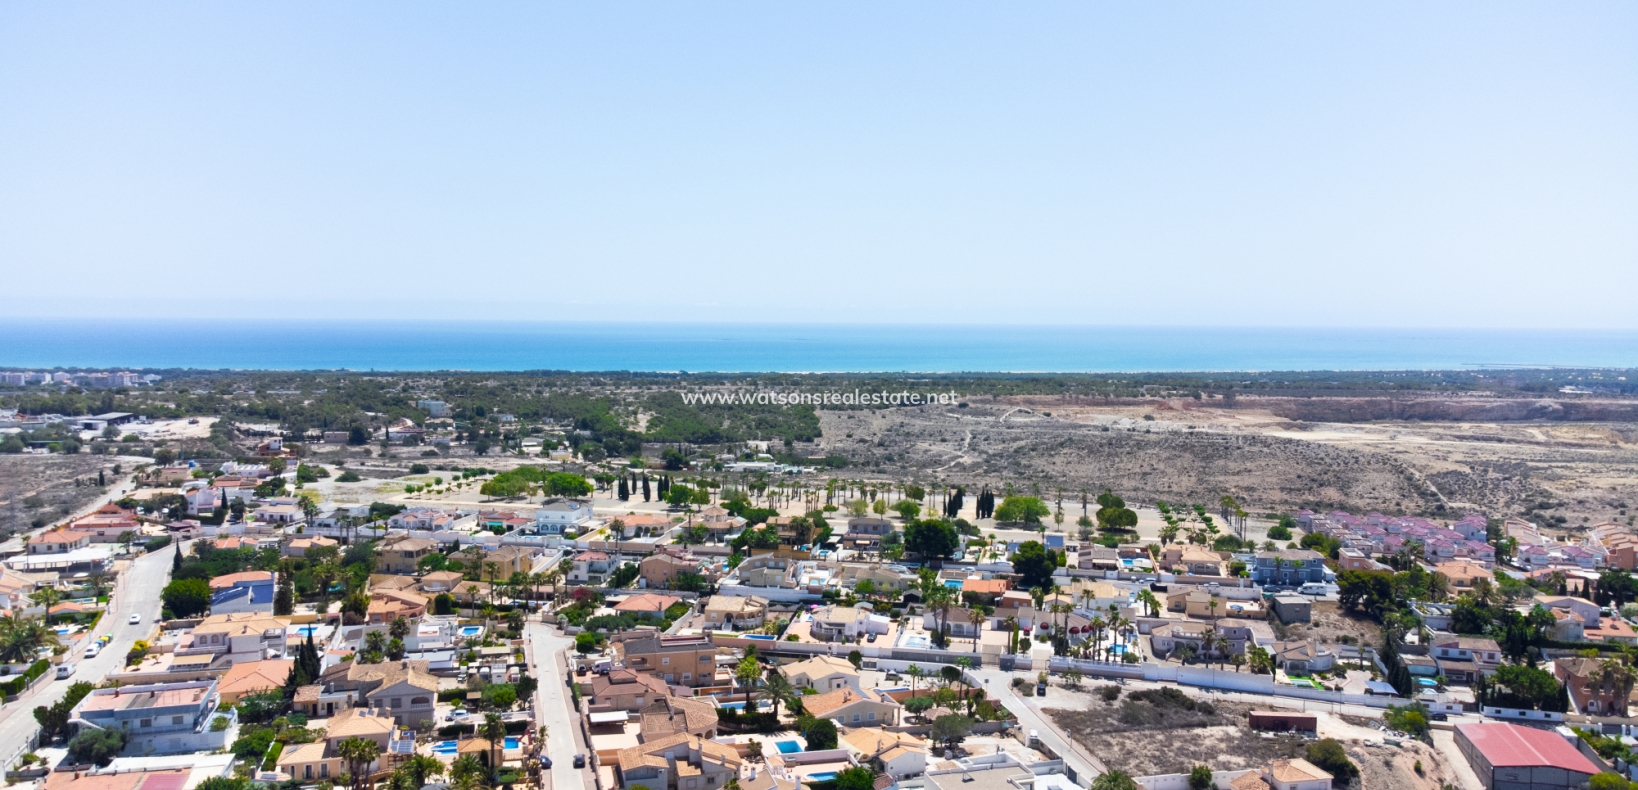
{"x":420,"y":768}
{"x":47,"y":597}
{"x":494,"y":730}
{"x":537,"y":581}
{"x":22,"y":637}
{"x":359,"y":753}
{"x":747,"y":672}
{"x":776,"y":688}
{"x":1238,"y":660}
{"x":915,"y":674}
{"x":976,"y":614}
{"x":465,"y":772}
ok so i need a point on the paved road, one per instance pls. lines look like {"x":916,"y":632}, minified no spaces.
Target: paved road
{"x":554,"y":706}
{"x":136,"y":592}
{"x":998,"y":684}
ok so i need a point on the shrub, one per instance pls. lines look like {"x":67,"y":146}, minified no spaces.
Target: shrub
{"x":1329,"y":756}
{"x":92,"y":745}
{"x":1109,"y":693}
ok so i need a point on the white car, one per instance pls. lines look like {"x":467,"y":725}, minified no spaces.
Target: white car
{"x":135,"y":619}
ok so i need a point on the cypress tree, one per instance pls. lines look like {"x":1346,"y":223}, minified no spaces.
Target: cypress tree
{"x":623,"y":493}
{"x":646,"y":495}
{"x":176,"y":559}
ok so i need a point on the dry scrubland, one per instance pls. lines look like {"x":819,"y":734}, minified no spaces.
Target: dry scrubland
{"x":42,"y":486}
{"x":1179,"y":450}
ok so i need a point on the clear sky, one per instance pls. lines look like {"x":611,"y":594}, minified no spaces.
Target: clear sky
{"x":1337,"y":164}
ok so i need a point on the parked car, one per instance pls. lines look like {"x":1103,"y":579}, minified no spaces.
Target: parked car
{"x":136,"y":619}
{"x":93,"y":650}
{"x":1439,"y":716}
{"x":65,"y":670}
{"x":871,"y":638}
{"x":457,"y":714}
{"x":580,"y":761}
{"x":545,"y":762}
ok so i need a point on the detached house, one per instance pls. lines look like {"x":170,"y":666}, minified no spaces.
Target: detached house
{"x":825,"y":673}
{"x":854,"y":707}
{"x":402,"y":554}
{"x":679,"y":762}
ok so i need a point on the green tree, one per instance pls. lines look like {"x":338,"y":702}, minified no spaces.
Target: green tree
{"x":187,"y":597}
{"x":1200,"y":778}
{"x":819,"y":733}
{"x":284,"y":600}
{"x":585,"y":642}
{"x":930,"y":539}
{"x":92,"y":745}
{"x":950,"y":729}
{"x":1022,"y":509}
{"x":1329,"y":756}
{"x":1032,"y":564}
{"x":359,"y":753}
{"x":855,"y":778}
{"x":1114,"y":780}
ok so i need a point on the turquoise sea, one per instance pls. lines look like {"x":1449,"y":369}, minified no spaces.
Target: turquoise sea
{"x":435,"y":345}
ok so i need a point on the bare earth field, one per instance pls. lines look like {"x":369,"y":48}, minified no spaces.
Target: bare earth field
{"x":1181,"y":451}
{"x":1330,"y":622}
{"x":50,"y":478}
{"x":1171,"y":743}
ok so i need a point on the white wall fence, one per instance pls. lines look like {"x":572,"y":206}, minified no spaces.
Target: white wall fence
{"x":1516,"y":714}
{"x":1221,"y":679}
{"x":1219,"y":779}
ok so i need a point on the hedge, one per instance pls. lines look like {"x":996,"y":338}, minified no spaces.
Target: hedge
{"x":453,"y":695}
{"x":158,"y":543}
{"x":16,"y":685}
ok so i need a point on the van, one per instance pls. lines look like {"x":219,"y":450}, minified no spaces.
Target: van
{"x":1314,"y":588}
{"x":65,"y":670}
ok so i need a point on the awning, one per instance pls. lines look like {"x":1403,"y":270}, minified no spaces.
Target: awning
{"x":611,"y":717}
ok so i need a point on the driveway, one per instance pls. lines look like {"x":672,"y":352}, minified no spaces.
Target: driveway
{"x":554,"y":706}
{"x":136,"y":592}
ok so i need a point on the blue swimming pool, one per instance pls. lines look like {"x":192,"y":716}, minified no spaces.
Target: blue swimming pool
{"x":732,"y":705}
{"x":511,"y":743}
{"x":788,"y":747}
{"x":1426,"y":682}
{"x":1118,"y":650}
{"x":445,"y":747}
{"x":307,"y":630}
{"x":828,"y":776}
{"x":471,"y":630}
{"x":954,"y":584}
{"x":763,"y":637}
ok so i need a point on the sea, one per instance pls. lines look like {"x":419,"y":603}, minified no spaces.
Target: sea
{"x":691,"y":347}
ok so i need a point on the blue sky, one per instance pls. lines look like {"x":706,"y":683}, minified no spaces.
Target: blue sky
{"x":1387,"y":164}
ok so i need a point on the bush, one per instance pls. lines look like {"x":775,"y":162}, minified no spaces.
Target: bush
{"x":1109,"y":693}
{"x":348,"y":476}
{"x":187,"y":597}
{"x":96,"y":746}
{"x":1329,"y":756}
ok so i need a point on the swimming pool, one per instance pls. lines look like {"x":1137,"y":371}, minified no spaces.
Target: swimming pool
{"x":732,"y":705}
{"x":828,"y":776}
{"x":511,"y":743}
{"x":788,"y":747}
{"x":916,"y":641}
{"x":445,"y":747}
{"x":763,"y":637}
{"x":954,"y":584}
{"x":307,"y":630}
{"x":1426,"y":683}
{"x":471,"y":630}
{"x":1118,"y":650}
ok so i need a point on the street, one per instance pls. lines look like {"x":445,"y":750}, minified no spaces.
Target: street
{"x":136,"y":592}
{"x":554,"y":706}
{"x":998,"y":684}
